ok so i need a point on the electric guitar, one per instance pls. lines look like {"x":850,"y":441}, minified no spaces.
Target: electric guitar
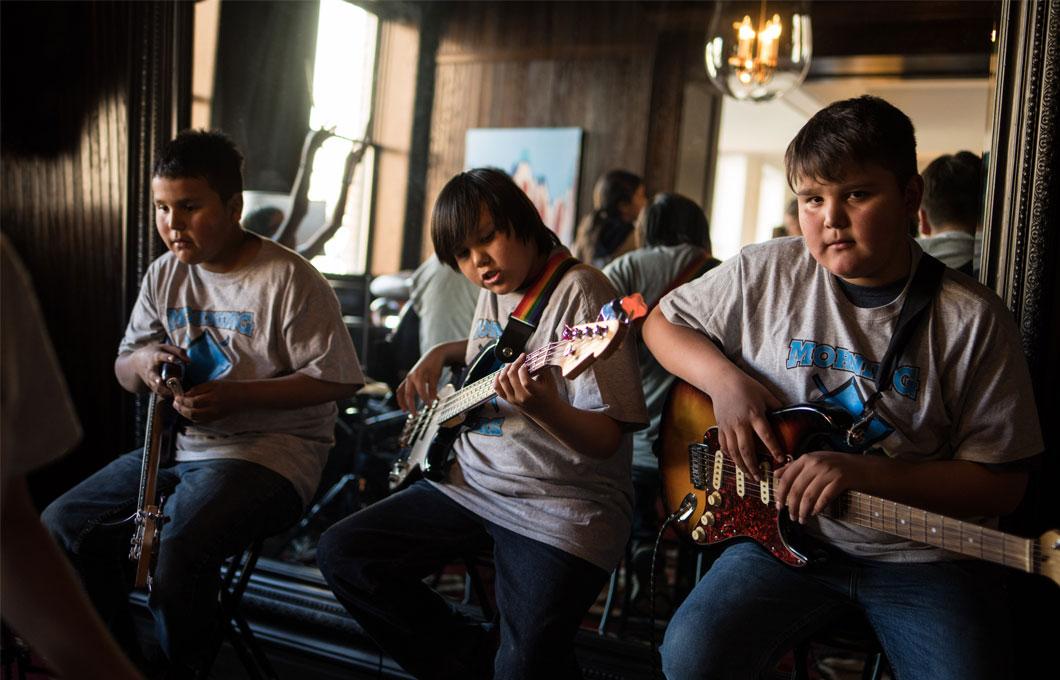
{"x":428,"y":435}
{"x":716,"y":502}
{"x":159,"y":437}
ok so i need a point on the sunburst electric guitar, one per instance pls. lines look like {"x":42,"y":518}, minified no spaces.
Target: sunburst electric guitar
{"x":429,"y":434}
{"x":715,"y":502}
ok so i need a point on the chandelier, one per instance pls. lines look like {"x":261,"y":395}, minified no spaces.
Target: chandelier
{"x":757,"y":52}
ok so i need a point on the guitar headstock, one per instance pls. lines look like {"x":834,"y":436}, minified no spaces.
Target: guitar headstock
{"x":597,"y":340}
{"x":1049,"y":546}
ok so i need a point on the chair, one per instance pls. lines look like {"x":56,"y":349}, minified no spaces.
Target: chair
{"x":851,"y":632}
{"x":233,"y":626}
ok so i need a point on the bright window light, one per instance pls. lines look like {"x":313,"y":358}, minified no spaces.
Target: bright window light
{"x":342,"y":99}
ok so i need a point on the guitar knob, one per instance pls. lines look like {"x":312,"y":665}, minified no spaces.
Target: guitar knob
{"x":707,"y":519}
{"x":714,"y":499}
{"x":698,"y":535}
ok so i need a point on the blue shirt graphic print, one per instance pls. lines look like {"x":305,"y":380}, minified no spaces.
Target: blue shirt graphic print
{"x":209,"y":361}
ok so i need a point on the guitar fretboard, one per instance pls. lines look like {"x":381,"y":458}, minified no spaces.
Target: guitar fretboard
{"x":708,"y":470}
{"x":481,"y":391}
{"x":937,"y":530}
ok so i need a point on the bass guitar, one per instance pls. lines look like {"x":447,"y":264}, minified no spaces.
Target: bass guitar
{"x":716,"y":502}
{"x":428,"y":435}
{"x":159,"y":437}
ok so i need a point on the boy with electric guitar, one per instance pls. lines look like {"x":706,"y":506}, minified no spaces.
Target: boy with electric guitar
{"x":541,"y":476}
{"x":917,"y":368}
{"x":259,"y":334}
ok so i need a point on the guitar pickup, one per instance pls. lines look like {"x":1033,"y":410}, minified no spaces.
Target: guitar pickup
{"x":763,"y":488}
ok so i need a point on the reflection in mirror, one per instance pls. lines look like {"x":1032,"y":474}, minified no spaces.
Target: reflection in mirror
{"x":949,"y":115}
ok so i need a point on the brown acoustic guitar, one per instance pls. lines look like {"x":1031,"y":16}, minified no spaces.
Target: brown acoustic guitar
{"x":715,"y":502}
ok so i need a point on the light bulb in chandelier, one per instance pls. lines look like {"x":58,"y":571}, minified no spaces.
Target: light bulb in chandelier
{"x":757,"y":50}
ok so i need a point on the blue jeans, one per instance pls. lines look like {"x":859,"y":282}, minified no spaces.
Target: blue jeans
{"x":376,"y":560}
{"x":934,"y":620}
{"x":216,"y":508}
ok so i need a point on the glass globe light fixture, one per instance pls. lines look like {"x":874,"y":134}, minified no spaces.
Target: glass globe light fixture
{"x":758,"y":50}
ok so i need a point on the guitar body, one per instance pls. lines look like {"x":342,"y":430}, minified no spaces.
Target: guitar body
{"x":427,"y":444}
{"x":728,"y":505}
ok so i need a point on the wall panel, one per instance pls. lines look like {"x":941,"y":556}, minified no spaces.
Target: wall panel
{"x":574,"y":64}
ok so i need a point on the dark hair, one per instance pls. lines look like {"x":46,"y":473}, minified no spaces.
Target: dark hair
{"x":862,"y":130}
{"x":673,"y":219}
{"x":205,"y":154}
{"x":614,"y":188}
{"x":600,"y":233}
{"x":952,"y":190}
{"x":459,"y":206}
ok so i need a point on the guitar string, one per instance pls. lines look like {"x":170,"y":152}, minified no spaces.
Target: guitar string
{"x":460,"y":400}
{"x":987,"y":545}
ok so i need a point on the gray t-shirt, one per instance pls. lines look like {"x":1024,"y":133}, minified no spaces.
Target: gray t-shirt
{"x":444,"y":301}
{"x":274,"y":317}
{"x":513,"y":473}
{"x":38,"y":422}
{"x":650,"y":272}
{"x":965,"y":394}
{"x":954,"y":248}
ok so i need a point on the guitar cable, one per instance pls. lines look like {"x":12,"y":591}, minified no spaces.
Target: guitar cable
{"x":682,"y":513}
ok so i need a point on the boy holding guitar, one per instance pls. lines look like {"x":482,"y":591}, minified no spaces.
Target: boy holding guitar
{"x":541,"y":474}
{"x":265,"y":356}
{"x":808,"y":320}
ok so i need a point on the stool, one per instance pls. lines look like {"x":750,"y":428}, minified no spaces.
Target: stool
{"x":850,"y":632}
{"x":233,"y":626}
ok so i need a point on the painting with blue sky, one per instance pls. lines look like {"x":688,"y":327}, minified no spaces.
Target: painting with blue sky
{"x":544,"y":163}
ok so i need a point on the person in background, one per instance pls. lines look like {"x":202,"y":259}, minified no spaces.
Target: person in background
{"x":608,"y":232}
{"x":791,"y":221}
{"x":949,"y":213}
{"x":676,"y":238}
{"x":42,"y":598}
{"x":444,"y":301}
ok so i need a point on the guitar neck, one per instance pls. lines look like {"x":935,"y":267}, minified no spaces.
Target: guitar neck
{"x":937,"y":530}
{"x":479,"y":392}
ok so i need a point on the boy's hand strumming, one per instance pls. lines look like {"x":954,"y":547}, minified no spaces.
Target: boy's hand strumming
{"x":741,"y":404}
{"x":422,"y":380}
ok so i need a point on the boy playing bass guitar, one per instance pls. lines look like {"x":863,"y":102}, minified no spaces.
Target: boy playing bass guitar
{"x":542,"y":473}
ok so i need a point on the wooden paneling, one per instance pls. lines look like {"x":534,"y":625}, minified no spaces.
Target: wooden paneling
{"x":65,"y":213}
{"x":584,"y":65}
{"x":92,"y":100}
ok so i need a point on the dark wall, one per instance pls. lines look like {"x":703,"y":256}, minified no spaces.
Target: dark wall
{"x":65,"y":144}
{"x":88,"y":95}
{"x":589,"y":65}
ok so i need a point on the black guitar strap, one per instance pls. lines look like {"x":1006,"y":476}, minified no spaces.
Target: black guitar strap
{"x":925,"y":284}
{"x":524,"y":318}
